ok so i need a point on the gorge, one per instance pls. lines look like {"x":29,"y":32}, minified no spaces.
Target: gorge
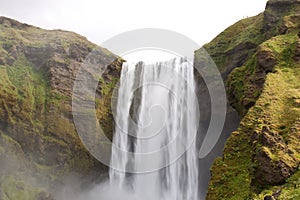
{"x":43,"y":158}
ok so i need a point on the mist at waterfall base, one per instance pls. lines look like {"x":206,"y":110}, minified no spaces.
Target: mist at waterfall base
{"x":156,"y":126}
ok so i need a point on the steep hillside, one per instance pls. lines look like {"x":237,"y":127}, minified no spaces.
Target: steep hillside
{"x":39,"y":145}
{"x":260,"y":59}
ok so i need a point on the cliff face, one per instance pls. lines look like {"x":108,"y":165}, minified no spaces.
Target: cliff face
{"x":39,"y":145}
{"x":259,"y":58}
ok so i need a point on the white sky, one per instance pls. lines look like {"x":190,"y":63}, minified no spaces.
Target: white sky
{"x":99,"y":20}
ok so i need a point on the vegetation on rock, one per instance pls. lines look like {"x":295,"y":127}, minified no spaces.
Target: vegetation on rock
{"x":262,"y":156}
{"x":37,"y":135}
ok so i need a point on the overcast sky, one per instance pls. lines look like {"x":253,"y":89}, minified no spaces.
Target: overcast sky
{"x":99,"y":20}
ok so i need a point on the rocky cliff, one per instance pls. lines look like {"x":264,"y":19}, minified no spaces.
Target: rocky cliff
{"x":259,"y":60}
{"x":39,"y":146}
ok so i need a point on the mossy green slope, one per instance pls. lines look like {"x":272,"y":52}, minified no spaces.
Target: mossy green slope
{"x":37,"y":70}
{"x":262,"y":157}
{"x":236,"y":44}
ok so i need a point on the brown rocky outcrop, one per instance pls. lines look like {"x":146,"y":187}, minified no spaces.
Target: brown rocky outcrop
{"x":271,"y":170}
{"x":266,"y":59}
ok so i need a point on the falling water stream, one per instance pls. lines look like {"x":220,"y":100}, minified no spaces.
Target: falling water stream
{"x":156,"y":124}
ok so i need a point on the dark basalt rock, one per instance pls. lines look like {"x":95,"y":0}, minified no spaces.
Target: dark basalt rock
{"x":275,"y":12}
{"x":268,"y":197}
{"x":237,"y":57}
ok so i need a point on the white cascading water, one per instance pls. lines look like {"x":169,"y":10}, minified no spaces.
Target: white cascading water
{"x":156,"y":112}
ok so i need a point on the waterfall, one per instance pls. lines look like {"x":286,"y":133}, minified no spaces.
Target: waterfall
{"x":154,"y":152}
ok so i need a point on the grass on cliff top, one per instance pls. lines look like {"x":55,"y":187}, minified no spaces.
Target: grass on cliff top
{"x":33,"y":36}
{"x":245,"y":31}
